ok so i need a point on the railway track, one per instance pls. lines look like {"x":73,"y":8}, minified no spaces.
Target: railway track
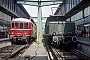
{"x":74,"y":54}
{"x":11,"y":51}
{"x":62,"y":55}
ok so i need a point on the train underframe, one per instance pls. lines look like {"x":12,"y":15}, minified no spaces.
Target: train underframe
{"x":61,"y":42}
{"x":20,"y":40}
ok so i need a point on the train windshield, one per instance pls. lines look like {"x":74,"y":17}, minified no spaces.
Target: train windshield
{"x":25,"y":25}
{"x":21,"y":25}
{"x":14,"y":25}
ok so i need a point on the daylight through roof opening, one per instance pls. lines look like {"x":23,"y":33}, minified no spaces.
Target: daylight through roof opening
{"x":39,"y":2}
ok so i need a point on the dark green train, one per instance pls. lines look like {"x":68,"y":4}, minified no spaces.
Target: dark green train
{"x":59,"y":32}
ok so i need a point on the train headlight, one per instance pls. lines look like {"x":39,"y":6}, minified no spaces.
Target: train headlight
{"x":55,"y":38}
{"x":12,"y":32}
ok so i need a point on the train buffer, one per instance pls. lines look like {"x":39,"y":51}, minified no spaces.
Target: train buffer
{"x":35,"y":52}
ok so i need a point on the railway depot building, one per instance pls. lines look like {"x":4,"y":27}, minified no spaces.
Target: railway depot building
{"x":77,"y":11}
{"x":9,"y":9}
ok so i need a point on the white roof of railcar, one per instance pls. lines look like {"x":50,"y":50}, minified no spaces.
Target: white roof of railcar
{"x":21,"y":19}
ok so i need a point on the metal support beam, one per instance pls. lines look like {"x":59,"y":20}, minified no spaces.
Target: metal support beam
{"x":39,"y":25}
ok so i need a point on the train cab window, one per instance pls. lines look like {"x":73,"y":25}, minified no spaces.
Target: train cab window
{"x":16,"y":25}
{"x":25,"y":25}
{"x":12,"y":25}
{"x":21,"y":25}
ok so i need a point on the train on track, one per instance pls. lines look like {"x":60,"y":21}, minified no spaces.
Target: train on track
{"x":22,"y":31}
{"x":59,"y":32}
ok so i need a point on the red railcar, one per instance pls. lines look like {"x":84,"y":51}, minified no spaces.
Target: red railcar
{"x":22,"y":31}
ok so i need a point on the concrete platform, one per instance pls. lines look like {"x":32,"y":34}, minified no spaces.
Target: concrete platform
{"x":4,"y":39}
{"x":35,"y":52}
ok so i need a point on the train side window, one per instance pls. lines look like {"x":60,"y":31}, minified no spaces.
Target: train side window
{"x":12,"y":25}
{"x":25,"y":25}
{"x":21,"y":25}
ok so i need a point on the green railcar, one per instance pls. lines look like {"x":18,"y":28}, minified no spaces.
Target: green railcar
{"x":57,"y":30}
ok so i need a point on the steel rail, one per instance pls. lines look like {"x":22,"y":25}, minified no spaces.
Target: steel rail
{"x":80,"y":54}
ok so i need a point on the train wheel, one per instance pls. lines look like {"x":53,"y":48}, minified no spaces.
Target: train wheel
{"x":11,"y":41}
{"x":58,"y":44}
{"x":27,"y":41}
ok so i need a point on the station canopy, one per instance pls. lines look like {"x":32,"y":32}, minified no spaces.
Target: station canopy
{"x":39,"y":2}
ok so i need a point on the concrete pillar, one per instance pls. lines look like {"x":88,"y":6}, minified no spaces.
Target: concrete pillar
{"x":39,"y":26}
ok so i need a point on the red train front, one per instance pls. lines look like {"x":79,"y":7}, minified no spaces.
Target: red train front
{"x":21,"y":31}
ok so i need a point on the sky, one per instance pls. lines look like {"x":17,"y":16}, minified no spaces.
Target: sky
{"x":46,"y":11}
